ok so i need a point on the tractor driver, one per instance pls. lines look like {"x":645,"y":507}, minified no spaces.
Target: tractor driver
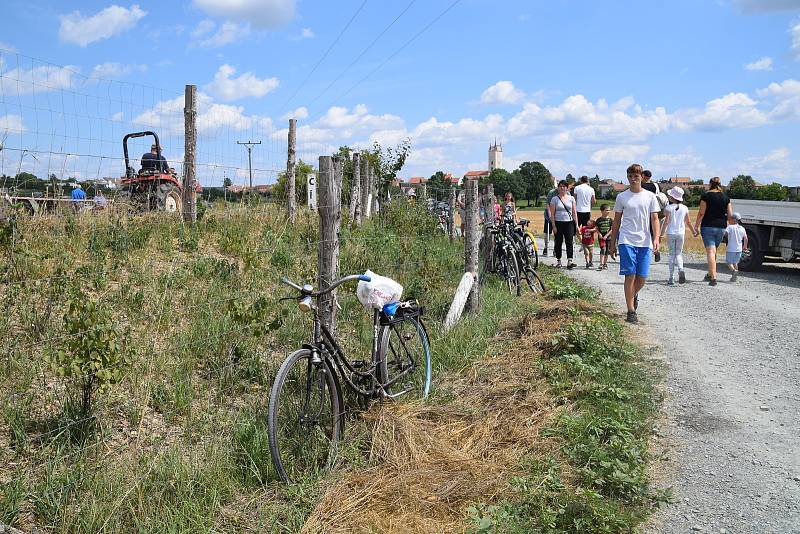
{"x":152,"y":162}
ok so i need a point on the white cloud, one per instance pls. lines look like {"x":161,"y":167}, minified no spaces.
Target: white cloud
{"x":118,"y":116}
{"x":503,"y":92}
{"x":5,"y":47}
{"x":785,"y":98}
{"x":734,"y":110}
{"x":227,"y":33}
{"x":764,"y":63}
{"x":111,"y":21}
{"x":248,"y":85}
{"x":305,"y":33}
{"x":115,"y":70}
{"x":204,"y":27}
{"x":12,"y":124}
{"x":795,"y":31}
{"x":433,"y":131}
{"x":299,"y":114}
{"x":618,"y":154}
{"x":776,"y":165}
{"x":686,"y":163}
{"x":760,"y":6}
{"x":262,"y":14}
{"x":40,"y":79}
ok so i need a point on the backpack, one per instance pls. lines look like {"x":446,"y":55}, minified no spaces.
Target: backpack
{"x":663,"y":201}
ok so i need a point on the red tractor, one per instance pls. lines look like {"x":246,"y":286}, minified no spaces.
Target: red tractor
{"x":155,"y":186}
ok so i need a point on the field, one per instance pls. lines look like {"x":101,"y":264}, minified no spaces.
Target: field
{"x":536,"y":216}
{"x":139,"y":352}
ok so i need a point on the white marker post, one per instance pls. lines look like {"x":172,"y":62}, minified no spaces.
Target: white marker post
{"x":312,"y":191}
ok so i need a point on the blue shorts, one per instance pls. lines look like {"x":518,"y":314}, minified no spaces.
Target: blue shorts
{"x":634,"y":260}
{"x":712,"y":237}
{"x":732,"y":258}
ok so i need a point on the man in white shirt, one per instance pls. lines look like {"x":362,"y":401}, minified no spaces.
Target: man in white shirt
{"x":584,"y":200}
{"x":635,"y":211}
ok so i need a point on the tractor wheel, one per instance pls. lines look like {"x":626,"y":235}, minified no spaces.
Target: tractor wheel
{"x":168,"y":198}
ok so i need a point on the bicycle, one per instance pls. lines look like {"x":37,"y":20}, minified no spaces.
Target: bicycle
{"x":306,"y":405}
{"x":528,"y":255}
{"x":503,"y":259}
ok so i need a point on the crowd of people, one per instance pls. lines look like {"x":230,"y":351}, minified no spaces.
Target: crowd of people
{"x":643,"y":217}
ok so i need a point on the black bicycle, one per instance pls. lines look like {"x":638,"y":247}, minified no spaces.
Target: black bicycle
{"x":527,"y":254}
{"x":502,"y":259}
{"x":306,"y":405}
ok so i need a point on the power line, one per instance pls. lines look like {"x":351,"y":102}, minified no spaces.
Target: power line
{"x":308,"y":77}
{"x":369,"y":46}
{"x":385,"y":61}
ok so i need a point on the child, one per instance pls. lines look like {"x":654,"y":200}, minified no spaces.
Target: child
{"x":737,"y":242}
{"x":676,"y":220}
{"x":603,"y":224}
{"x":588,"y":232}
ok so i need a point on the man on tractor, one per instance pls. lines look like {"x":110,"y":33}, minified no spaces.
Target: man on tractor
{"x":153,"y":162}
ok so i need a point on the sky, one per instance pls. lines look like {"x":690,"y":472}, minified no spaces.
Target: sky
{"x":695,"y":88}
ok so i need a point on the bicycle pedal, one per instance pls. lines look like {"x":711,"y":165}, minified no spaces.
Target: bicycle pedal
{"x":358,"y":364}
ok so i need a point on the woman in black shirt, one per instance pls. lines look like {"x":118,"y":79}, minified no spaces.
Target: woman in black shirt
{"x":712,"y":217}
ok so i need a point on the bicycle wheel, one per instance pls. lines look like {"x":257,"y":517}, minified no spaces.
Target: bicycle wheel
{"x":404,"y":359}
{"x":511,"y":272}
{"x":304,"y":417}
{"x":532,"y":250}
{"x":534,"y":281}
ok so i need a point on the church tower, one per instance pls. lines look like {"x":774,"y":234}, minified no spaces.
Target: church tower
{"x":495,"y":156}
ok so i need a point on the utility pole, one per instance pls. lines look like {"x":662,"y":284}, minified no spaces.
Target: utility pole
{"x":249,"y":145}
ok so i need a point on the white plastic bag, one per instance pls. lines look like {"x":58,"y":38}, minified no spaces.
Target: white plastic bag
{"x":379,"y":291}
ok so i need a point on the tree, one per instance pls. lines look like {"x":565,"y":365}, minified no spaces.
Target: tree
{"x":742,"y":186}
{"x":536,"y":178}
{"x":595,"y":183}
{"x":227,"y":182}
{"x":301,"y":172}
{"x":773,"y":191}
{"x":439,"y":186}
{"x":570,"y":179}
{"x":387,"y":162}
{"x":345,"y":153}
{"x":503,"y":181}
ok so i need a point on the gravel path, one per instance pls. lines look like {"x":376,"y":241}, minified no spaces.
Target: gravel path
{"x":733,"y":394}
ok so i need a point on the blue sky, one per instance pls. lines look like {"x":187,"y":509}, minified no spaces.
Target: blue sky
{"x":690,"y":88}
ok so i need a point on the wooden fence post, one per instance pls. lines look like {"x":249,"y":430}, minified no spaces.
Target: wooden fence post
{"x":355,"y":195}
{"x":471,"y":242}
{"x":452,"y":222}
{"x":373,"y":190}
{"x":190,"y":155}
{"x":291,"y":193}
{"x":330,"y":216}
{"x":364,"y":188}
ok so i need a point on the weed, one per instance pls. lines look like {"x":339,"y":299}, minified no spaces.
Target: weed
{"x":12,"y":495}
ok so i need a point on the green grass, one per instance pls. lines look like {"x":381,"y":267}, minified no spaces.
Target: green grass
{"x":179,"y":443}
{"x":598,"y":481}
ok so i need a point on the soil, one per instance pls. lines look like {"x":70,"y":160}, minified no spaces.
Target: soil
{"x":732,"y":385}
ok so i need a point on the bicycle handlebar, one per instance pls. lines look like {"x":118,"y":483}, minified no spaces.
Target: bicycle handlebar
{"x":337,"y":283}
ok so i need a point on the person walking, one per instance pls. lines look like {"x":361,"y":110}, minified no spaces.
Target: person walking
{"x":585,"y":199}
{"x":548,"y":223}
{"x":649,"y":185}
{"x":737,"y":242}
{"x":604,"y":224}
{"x":712,"y":218}
{"x":635,"y":211}
{"x":676,"y":220}
{"x":563,"y":214}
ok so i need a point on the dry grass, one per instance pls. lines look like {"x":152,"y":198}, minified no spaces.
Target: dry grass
{"x":430,"y":462}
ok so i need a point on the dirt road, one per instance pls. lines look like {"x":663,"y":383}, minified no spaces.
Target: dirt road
{"x":733,"y":394}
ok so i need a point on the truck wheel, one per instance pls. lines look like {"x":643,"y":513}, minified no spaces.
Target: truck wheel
{"x":752,"y":256}
{"x":168,"y":198}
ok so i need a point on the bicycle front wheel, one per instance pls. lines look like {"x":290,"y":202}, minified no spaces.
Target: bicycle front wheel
{"x":534,"y":281}
{"x":304,"y":417}
{"x":404,"y":359}
{"x":532,"y":250}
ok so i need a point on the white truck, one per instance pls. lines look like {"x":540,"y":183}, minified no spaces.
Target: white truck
{"x":773,"y":230}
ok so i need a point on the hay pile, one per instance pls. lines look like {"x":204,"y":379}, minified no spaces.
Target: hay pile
{"x":430,"y":462}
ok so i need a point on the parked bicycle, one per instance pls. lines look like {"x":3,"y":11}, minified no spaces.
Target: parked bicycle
{"x":306,"y":405}
{"x":502,"y":259}
{"x":527,"y":254}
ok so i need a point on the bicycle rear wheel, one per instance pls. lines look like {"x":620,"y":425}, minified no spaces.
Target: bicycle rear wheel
{"x":534,"y":281}
{"x":532,"y":250}
{"x":404,"y":359}
{"x":511,"y":272}
{"x":304,"y":417}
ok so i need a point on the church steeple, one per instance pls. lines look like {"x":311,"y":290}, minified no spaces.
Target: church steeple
{"x":495,"y":156}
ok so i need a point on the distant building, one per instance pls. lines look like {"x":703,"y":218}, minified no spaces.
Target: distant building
{"x":475,"y":175}
{"x":610,"y":185}
{"x":495,"y":156}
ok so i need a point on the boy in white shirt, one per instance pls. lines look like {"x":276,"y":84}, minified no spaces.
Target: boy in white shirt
{"x":737,"y":242}
{"x":635,"y":212}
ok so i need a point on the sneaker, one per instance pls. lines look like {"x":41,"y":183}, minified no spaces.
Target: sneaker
{"x":588,"y":266}
{"x":734,"y":276}
{"x":671,"y":282}
{"x":570,"y":265}
{"x":605,"y":266}
{"x":544,"y":252}
{"x":558,"y":264}
{"x":601,"y":267}
{"x":712,"y":282}
{"x":636,"y":301}
{"x":632,"y":318}
{"x":591,"y":264}
{"x":681,"y":277}
{"x":657,"y":255}
{"x":707,"y":278}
